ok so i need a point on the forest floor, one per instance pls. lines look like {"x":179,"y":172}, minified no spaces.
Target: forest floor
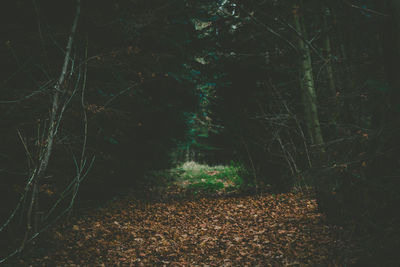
{"x":266,"y":230}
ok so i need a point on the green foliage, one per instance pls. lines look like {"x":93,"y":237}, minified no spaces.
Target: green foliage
{"x":200,"y":178}
{"x":205,"y":187}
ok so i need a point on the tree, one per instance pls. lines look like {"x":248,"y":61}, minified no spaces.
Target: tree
{"x":35,"y":222}
{"x":307,"y":81}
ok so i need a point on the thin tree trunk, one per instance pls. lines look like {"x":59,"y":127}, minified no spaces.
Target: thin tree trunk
{"x":328,"y":53}
{"x":58,"y":89}
{"x":307,"y":84}
{"x":307,"y":111}
{"x":52,"y":131}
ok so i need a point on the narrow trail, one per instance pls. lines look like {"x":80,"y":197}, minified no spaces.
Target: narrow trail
{"x":272,"y":230}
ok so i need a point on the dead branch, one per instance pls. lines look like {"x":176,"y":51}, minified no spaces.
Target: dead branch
{"x":44,"y":152}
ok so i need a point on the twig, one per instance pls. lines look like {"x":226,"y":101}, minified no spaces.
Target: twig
{"x":119,"y":94}
{"x":29,"y":215}
{"x":21,"y":199}
{"x":25,"y":147}
{"x":285,"y":154}
{"x":300,"y":36}
{"x":365,"y":9}
{"x":252,"y":163}
{"x":41,"y":33}
{"x":269,"y":29}
{"x":41,"y":90}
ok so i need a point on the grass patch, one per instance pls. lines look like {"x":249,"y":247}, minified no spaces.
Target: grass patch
{"x":192,"y":179}
{"x":200,"y":178}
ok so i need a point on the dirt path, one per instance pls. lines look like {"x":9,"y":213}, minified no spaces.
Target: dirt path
{"x":273,"y":230}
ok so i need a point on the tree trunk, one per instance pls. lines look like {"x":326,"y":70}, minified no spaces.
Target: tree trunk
{"x":58,"y":89}
{"x":328,"y":54}
{"x":51,"y":134}
{"x":307,"y":84}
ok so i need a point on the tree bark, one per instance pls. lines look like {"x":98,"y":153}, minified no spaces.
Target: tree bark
{"x":58,"y":89}
{"x":328,"y":54}
{"x":307,"y":84}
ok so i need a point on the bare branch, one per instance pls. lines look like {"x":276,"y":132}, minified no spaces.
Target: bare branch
{"x":53,"y":117}
{"x":365,"y":9}
{"x":119,"y":94}
{"x":41,"y":90}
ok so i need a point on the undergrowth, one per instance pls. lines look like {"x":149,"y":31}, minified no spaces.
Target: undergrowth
{"x":200,"y":178}
{"x":194,"y":179}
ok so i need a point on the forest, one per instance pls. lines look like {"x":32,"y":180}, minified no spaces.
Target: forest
{"x":200,"y":133}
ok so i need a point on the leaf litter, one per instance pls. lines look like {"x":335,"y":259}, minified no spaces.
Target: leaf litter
{"x":269,"y":230}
